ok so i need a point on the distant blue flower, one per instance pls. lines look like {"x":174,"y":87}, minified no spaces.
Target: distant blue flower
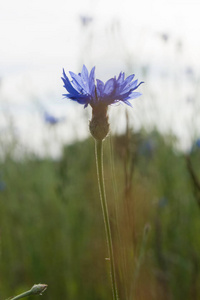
{"x":163,"y":202}
{"x":165,"y":37}
{"x":85,"y":20}
{"x":147,"y":147}
{"x":189,"y":71}
{"x":50,"y":119}
{"x":2,"y":186}
{"x":195,"y":146}
{"x":198,"y":143}
{"x":83,"y":90}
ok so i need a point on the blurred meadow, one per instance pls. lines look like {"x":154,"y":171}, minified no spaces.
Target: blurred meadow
{"x":51,"y":224}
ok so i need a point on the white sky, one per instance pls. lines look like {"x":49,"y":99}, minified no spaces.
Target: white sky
{"x":40,"y":30}
{"x":38,"y":38}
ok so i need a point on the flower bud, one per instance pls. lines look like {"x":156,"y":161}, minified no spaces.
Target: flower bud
{"x":38,"y":289}
{"x":99,"y":126}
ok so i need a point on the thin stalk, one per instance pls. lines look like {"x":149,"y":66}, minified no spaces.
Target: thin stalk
{"x":25,"y":294}
{"x":100,"y":175}
{"x":37,"y":289}
{"x":116,"y":199}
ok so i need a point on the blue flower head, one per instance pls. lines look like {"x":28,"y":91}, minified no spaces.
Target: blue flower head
{"x":198,"y":143}
{"x":50,"y":119}
{"x":83,"y":89}
{"x":85,"y":20}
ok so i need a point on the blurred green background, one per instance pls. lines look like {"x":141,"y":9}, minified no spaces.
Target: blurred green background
{"x":52,"y":231}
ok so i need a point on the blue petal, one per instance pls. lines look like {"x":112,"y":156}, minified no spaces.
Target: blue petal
{"x":120,"y":78}
{"x":68,"y":85}
{"x":109,"y":86}
{"x":124,"y":85}
{"x":84,"y":73}
{"x":134,"y":95}
{"x":91,"y":81}
{"x":128,"y":103}
{"x":78,"y":83}
{"x":132,"y":89}
{"x":85,"y":105}
{"x":85,"y":77}
{"x":82,"y":99}
{"x":100,"y":88}
{"x":134,"y":84}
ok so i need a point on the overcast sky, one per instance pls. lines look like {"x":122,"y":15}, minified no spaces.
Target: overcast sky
{"x":41,"y":30}
{"x":38,"y":38}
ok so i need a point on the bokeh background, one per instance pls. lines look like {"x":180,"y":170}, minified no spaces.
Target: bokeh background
{"x":51,"y":227}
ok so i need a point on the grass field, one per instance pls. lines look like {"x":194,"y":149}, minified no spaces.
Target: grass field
{"x":51,"y":225}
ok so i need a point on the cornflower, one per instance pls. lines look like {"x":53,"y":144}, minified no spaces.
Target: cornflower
{"x":51,"y":120}
{"x":99,"y":95}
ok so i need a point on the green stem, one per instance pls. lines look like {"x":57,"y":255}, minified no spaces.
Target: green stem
{"x":99,"y":162}
{"x":116,"y":200}
{"x":37,"y":289}
{"x":25,"y":294}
